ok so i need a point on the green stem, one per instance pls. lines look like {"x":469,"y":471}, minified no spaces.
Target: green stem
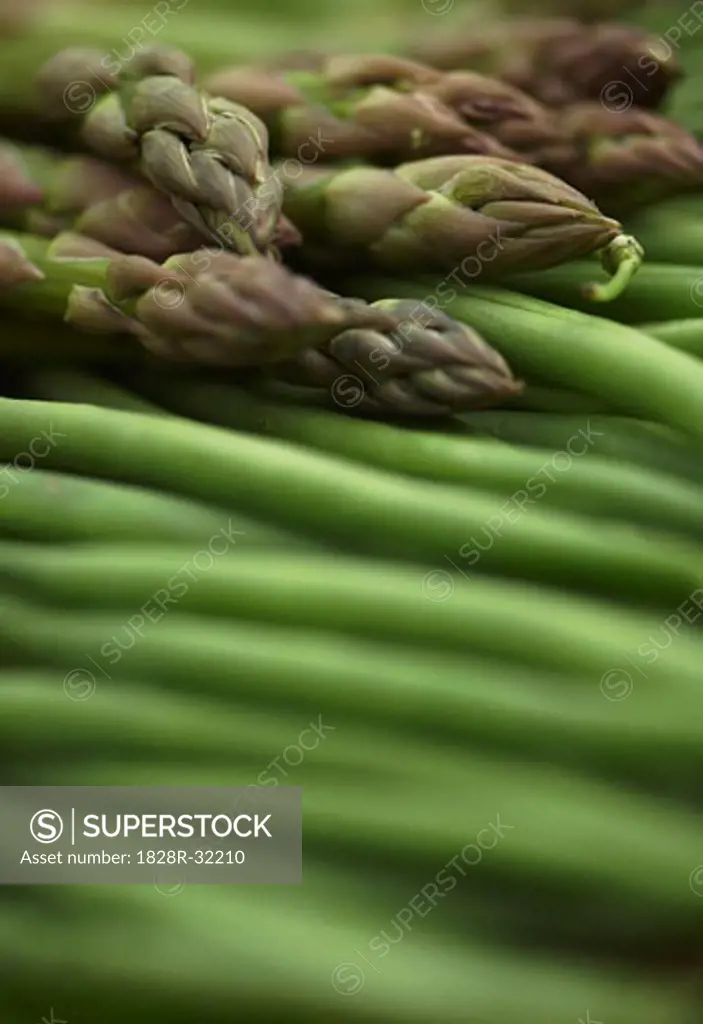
{"x":357,"y":508}
{"x":625,"y":440}
{"x":634,"y":373}
{"x":68,"y":385}
{"x":622,"y":259}
{"x":56,"y":508}
{"x":536,"y":398}
{"x":685,"y":335}
{"x":49,"y":297}
{"x":671,"y":231}
{"x":592,"y":486}
{"x":660,"y":291}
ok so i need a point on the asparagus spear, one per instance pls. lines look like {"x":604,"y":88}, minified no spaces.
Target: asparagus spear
{"x":386,"y":109}
{"x":477,"y":216}
{"x":111,"y":204}
{"x":624,"y":159}
{"x":208,"y":155}
{"x":561,"y":60}
{"x":510,"y":115}
{"x":197,"y":307}
{"x":429,"y":366}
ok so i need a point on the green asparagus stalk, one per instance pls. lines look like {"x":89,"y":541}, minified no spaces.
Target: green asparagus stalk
{"x":624,"y":158}
{"x":430,"y":366}
{"x":478,"y":216}
{"x":386,"y":109}
{"x":561,"y":61}
{"x":672,"y":230}
{"x":208,"y":155}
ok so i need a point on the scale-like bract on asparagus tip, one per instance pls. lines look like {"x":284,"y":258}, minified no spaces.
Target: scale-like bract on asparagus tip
{"x":69,"y":82}
{"x":91,"y":310}
{"x":207,"y":154}
{"x":442,"y":212}
{"x":627,"y":158}
{"x":375,"y":107}
{"x":427,"y":365}
{"x":15,"y":267}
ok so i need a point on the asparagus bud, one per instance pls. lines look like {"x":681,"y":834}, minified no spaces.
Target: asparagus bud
{"x":199,"y":307}
{"x":477,"y":216}
{"x":625,"y":159}
{"x":430,"y":365}
{"x":561,"y":61}
{"x":208,"y":155}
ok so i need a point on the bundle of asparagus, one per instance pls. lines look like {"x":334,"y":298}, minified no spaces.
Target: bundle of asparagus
{"x":123,"y":230}
{"x":386,"y":109}
{"x":206,"y":308}
{"x":435,"y":595}
{"x":561,"y":60}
